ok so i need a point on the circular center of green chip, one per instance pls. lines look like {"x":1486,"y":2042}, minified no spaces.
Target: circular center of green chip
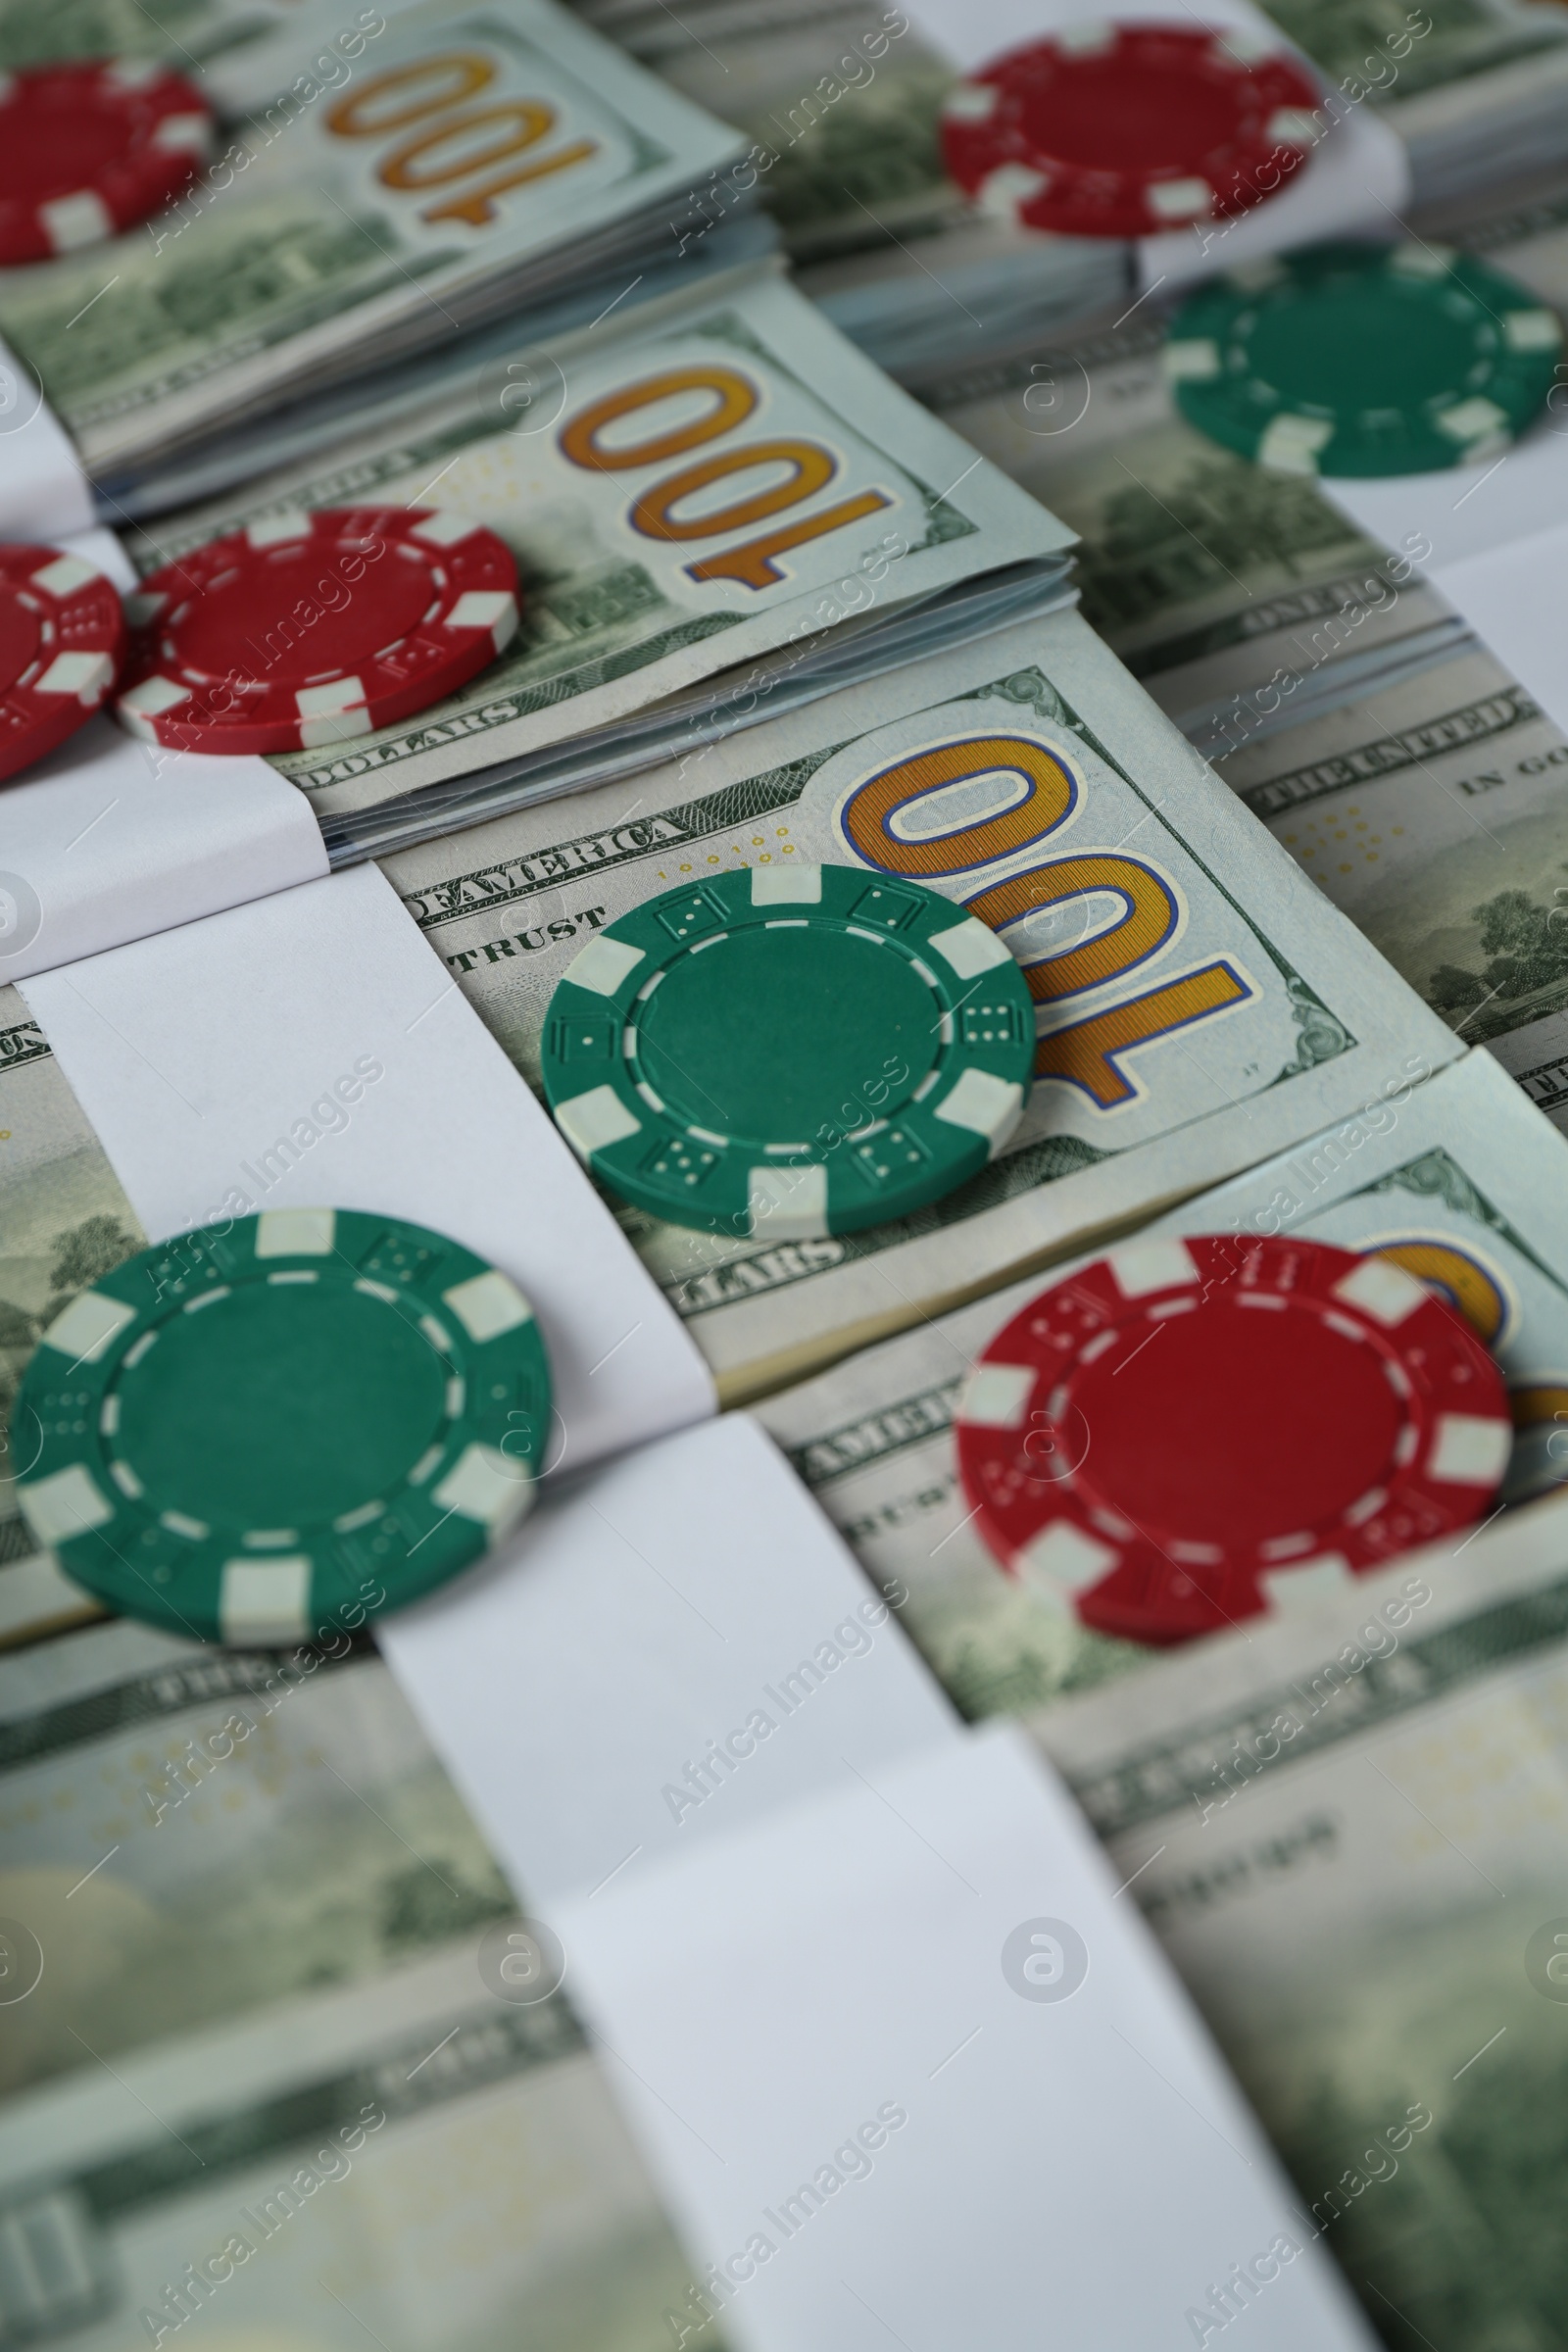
{"x":1351,"y":346}
{"x":282,"y":1405}
{"x":777,"y":1031}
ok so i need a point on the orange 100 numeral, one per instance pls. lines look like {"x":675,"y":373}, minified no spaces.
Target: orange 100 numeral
{"x":811,"y":467}
{"x":1089,"y":1053}
{"x":450,"y":140}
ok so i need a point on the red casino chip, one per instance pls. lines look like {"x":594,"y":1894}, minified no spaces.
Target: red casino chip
{"x":1122,"y":131}
{"x":1164,"y":1439}
{"x":88,"y":150}
{"x":62,"y":637}
{"x":310,"y":628}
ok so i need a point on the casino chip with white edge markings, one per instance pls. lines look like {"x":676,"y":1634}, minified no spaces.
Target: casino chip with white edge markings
{"x":1368,"y":360}
{"x":1121,"y":130}
{"x":789,"y":1050}
{"x":62,"y":638}
{"x":88,"y":149}
{"x":307,"y":629}
{"x":254,"y":1433}
{"x":1163,"y":1440}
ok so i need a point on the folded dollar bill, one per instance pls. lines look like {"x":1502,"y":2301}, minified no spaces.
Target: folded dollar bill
{"x":1456,"y":1177}
{"x":1432,"y":811}
{"x":274,"y":2082}
{"x":457,"y":162}
{"x":1344,"y":1827}
{"x":1199,"y":1005}
{"x":855,"y":531}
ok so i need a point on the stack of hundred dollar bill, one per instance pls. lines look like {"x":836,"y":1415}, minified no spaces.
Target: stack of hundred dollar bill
{"x":842,"y":106}
{"x":302,"y":334}
{"x":320,"y":246}
{"x":1388,"y":748}
{"x":264,"y":1900}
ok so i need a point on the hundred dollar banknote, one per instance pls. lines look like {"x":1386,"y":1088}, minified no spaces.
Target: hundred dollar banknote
{"x":1237,"y":596}
{"x":1457,"y":1178}
{"x":455,"y":162}
{"x":190,"y":36}
{"x":1233,"y":594}
{"x":202,"y":1770}
{"x":269,"y":2080}
{"x":1479,"y":98}
{"x":1467,"y":38}
{"x":726,"y":479}
{"x":1432,"y":811}
{"x":841,"y":98}
{"x":1347,"y":1828}
{"x":1198,"y":1005}
{"x":839,"y":101}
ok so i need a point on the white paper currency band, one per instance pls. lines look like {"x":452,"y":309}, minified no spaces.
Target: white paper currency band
{"x":308,"y":1048}
{"x":108,"y":841}
{"x":851,"y":2087}
{"x":43,"y":492}
{"x":740,"y":1604}
{"x":821,"y":1908}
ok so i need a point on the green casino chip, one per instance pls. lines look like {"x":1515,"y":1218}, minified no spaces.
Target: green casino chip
{"x":1363,"y":360}
{"x":789,"y":1050}
{"x":261,"y":1433}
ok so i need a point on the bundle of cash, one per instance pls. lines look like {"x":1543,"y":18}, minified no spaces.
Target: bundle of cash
{"x":275,"y":2063}
{"x":1429,"y":809}
{"x":1240,"y":856}
{"x":1306,"y":1802}
{"x":841,"y":106}
{"x":1479,"y":99}
{"x":1243,"y":599}
{"x":1159,"y":1067}
{"x":1456,"y":1174}
{"x":412,"y":176}
{"x":644,"y":641}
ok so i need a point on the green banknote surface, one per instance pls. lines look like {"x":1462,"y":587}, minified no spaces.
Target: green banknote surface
{"x":600,"y":465}
{"x":1464,"y":38}
{"x":1208,"y":576}
{"x":269,"y":2087}
{"x":184,"y":33}
{"x":1347,"y":1828}
{"x":839,"y":99}
{"x":356,"y":212}
{"x":1198,"y":1004}
{"x":1456,"y":1177}
{"x":1432,"y":811}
